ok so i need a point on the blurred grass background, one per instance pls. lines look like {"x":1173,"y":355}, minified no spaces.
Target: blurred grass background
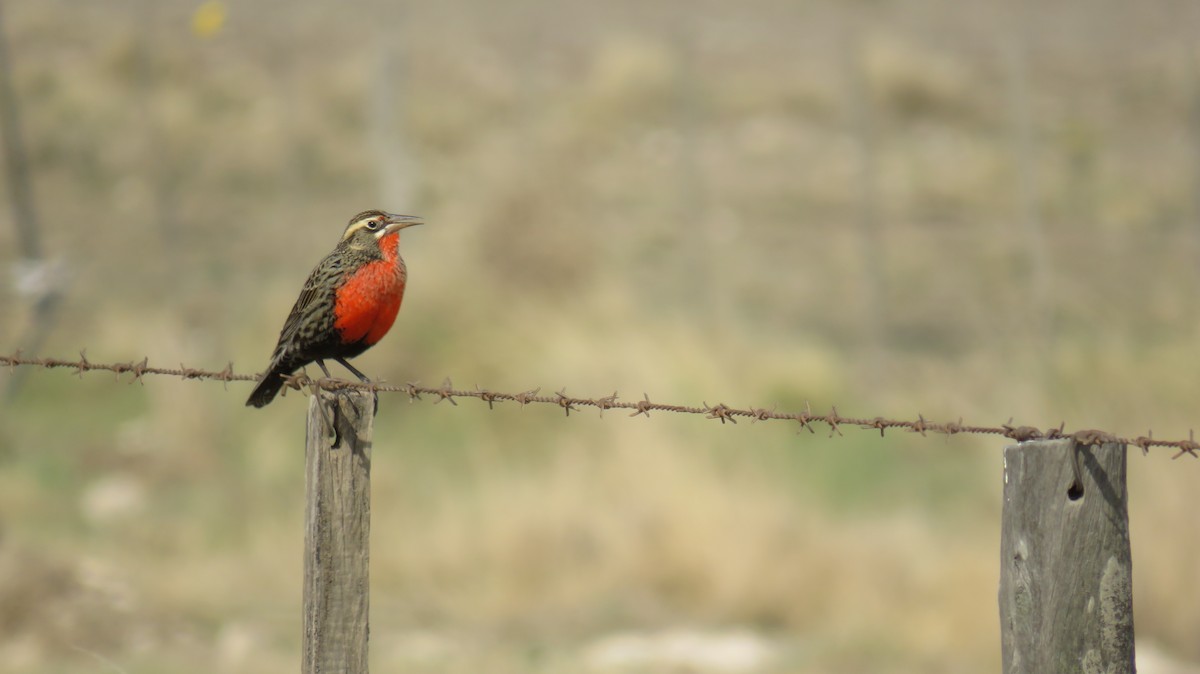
{"x":985,"y":210}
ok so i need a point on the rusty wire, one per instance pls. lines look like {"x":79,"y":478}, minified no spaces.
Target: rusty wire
{"x":831,"y":421}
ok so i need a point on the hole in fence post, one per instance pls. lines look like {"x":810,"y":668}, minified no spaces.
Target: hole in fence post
{"x":1075,"y":491}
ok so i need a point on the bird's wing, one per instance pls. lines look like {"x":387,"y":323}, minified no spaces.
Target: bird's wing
{"x":314,"y":305}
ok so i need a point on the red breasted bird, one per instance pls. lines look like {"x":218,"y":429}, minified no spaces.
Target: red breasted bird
{"x":348,"y":302}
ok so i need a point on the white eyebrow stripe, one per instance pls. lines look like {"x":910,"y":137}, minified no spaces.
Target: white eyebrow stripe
{"x":357,"y":226}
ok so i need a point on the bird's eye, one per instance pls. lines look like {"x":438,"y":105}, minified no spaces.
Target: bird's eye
{"x":372,"y":225}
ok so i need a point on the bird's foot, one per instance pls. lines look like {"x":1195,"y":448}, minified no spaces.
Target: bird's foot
{"x":369,"y":386}
{"x":374,"y":400}
{"x":347,"y":402}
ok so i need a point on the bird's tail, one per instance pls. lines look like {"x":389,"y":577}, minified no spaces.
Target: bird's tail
{"x":268,"y":387}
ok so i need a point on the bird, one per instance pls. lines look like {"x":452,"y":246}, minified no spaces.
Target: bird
{"x":347,"y":305}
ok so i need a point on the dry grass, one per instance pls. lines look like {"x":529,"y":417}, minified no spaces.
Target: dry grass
{"x":622,"y":196}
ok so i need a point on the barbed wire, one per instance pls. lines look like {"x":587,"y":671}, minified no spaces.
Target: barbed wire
{"x":832,"y":420}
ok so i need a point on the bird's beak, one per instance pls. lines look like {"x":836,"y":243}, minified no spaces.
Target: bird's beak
{"x":396,"y":222}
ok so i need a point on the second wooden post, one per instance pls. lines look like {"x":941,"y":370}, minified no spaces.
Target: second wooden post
{"x":1066,"y":589}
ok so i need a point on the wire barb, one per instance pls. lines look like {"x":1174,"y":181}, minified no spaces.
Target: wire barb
{"x":834,"y":420}
{"x":761,"y":413}
{"x":486,"y":396}
{"x":526,"y":397}
{"x":643,"y":406}
{"x":564,"y":402}
{"x":605,"y":403}
{"x":720,"y":411}
{"x":920,"y":426}
{"x":1188,"y":446}
{"x":446,"y":392}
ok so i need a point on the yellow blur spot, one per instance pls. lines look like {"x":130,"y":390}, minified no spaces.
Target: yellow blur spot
{"x":208,"y":18}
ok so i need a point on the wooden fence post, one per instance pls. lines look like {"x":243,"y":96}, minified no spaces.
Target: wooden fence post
{"x":1066,"y":596}
{"x":337,"y":524}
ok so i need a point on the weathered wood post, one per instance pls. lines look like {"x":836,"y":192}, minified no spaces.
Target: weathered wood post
{"x":1066,"y":597}
{"x":337,"y":524}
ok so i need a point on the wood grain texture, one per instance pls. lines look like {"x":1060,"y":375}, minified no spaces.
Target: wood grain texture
{"x":337,"y":521}
{"x":1066,"y":597}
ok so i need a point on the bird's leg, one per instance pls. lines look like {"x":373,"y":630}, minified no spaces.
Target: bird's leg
{"x":363,"y":378}
{"x":321,"y":364}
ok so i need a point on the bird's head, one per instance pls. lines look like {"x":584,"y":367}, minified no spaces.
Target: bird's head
{"x":368,"y":228}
